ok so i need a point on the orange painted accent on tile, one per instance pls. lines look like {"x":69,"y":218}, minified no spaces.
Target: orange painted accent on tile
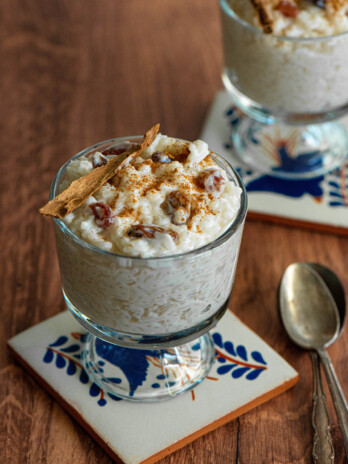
{"x":318,"y":199}
{"x":240,"y":363}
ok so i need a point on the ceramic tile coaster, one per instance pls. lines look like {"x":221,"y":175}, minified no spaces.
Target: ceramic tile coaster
{"x":320,"y":203}
{"x":245,"y":374}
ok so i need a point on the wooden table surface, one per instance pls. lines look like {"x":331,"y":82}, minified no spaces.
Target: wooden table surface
{"x":77,"y":72}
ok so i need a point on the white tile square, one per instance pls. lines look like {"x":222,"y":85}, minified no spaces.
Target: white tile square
{"x":246,"y":373}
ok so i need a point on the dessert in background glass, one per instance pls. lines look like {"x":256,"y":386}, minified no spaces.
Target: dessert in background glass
{"x":291,"y":79}
{"x":153,"y":290}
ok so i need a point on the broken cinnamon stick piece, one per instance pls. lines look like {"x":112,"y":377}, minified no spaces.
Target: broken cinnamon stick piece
{"x":81,"y":189}
{"x":264,"y":17}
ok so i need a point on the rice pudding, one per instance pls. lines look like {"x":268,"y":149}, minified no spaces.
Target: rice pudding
{"x":127,"y":255}
{"x":294,"y":60}
{"x":171,"y":199}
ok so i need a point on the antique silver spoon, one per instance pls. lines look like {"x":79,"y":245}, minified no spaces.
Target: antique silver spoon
{"x":312,"y":320}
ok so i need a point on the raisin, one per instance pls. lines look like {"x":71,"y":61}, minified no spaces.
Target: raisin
{"x":288,"y":8}
{"x":103,"y":215}
{"x":211,"y":180}
{"x":178,"y":207}
{"x":162,"y":157}
{"x":141,"y":230}
{"x":99,"y":160}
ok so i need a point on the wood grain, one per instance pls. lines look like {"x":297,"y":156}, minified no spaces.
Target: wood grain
{"x":74,"y":73}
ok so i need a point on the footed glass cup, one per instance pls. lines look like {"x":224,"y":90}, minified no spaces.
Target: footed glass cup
{"x":291,"y":89}
{"x":148,"y":318}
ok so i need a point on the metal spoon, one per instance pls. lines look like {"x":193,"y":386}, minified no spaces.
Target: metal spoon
{"x":311,"y":319}
{"x":323,"y":450}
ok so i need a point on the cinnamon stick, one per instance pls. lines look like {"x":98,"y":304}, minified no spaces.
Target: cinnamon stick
{"x":81,"y":189}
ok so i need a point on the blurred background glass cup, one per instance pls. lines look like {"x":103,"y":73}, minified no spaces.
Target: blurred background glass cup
{"x":292,"y":89}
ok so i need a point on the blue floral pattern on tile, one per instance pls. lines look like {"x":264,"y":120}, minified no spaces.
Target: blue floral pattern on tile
{"x":66,"y":352}
{"x":331,"y":189}
{"x":235,"y":360}
{"x":67,"y":355}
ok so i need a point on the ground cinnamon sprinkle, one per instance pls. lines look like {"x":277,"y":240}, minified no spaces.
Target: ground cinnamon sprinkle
{"x":139,"y":186}
{"x":333,"y":6}
{"x":155,"y":201}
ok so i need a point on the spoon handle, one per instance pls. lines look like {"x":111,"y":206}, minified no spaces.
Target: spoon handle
{"x":338,"y":397}
{"x":323,"y":451}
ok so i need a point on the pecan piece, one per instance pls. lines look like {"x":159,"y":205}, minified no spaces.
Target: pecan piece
{"x":103,"y":215}
{"x":98,"y":160}
{"x":178,"y":207}
{"x":162,"y":157}
{"x":211,"y":180}
{"x":141,"y":230}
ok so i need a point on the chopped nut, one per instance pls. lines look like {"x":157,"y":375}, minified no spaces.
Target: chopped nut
{"x":103,"y":214}
{"x":178,"y":207}
{"x":211,"y":180}
{"x":162,"y":157}
{"x":148,"y":231}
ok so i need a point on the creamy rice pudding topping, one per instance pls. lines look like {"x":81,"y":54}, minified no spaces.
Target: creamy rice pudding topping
{"x":171,"y":199}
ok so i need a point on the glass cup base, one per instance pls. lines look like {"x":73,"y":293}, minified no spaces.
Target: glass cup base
{"x":147,"y":375}
{"x":289,"y":152}
{"x":154,"y":341}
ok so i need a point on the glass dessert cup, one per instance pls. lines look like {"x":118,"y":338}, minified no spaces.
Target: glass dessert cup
{"x":292,"y":91}
{"x":148,"y":318}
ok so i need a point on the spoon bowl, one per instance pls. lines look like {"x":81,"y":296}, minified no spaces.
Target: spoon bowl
{"x":308,"y":309}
